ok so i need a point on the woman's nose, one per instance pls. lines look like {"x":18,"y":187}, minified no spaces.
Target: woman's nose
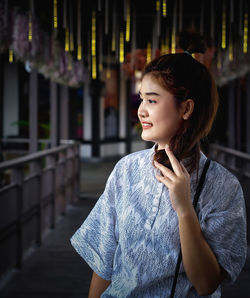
{"x":142,"y":112}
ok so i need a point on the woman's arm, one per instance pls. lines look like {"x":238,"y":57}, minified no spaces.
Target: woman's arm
{"x":97,"y":286}
{"x":200,"y":263}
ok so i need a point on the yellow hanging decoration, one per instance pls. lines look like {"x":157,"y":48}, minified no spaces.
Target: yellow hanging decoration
{"x":71,"y":41}
{"x":94,"y":75}
{"x":149,"y":52}
{"x":164,"y":8}
{"x":128,"y":23}
{"x":79,"y":52}
{"x":157,"y":5}
{"x":11,"y":57}
{"x":224,"y":28}
{"x":245,"y":36}
{"x":55,"y":15}
{"x":67,"y":39}
{"x":230,"y":49}
{"x":121,"y":47}
{"x":113,"y":42}
{"x":173,"y":44}
{"x":30,"y":27}
{"x":93,"y":47}
{"x":93,"y":41}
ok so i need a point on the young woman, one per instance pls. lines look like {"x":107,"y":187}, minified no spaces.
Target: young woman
{"x":132,"y":237}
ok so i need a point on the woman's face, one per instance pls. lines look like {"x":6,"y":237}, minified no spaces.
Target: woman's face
{"x":158,"y":113}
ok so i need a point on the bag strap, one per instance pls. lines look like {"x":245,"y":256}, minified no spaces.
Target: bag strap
{"x":195,"y":201}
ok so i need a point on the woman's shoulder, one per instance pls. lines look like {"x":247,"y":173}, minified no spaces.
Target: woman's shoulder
{"x":138,"y":156}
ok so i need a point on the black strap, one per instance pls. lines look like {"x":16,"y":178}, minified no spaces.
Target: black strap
{"x":195,"y":201}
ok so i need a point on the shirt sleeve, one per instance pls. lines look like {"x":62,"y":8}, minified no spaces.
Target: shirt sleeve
{"x":95,"y":240}
{"x":223,"y":224}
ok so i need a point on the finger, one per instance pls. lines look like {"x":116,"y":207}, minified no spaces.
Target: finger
{"x":184,"y":169}
{"x":164,"y":180}
{"x":165,"y":171}
{"x":173,"y":160}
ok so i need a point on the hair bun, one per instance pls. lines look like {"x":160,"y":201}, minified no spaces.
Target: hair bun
{"x":192,"y":42}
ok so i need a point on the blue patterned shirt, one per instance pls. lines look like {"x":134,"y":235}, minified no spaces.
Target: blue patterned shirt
{"x":131,"y":236}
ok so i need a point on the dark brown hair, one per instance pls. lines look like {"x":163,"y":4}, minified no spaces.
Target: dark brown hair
{"x":186,"y":78}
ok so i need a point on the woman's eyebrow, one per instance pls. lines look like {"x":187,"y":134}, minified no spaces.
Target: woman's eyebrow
{"x":150,"y":93}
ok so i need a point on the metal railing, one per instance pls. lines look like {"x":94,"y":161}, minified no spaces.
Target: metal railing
{"x":40,"y":187}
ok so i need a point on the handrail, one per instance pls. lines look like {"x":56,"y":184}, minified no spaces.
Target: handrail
{"x":230,"y":151}
{"x":31,"y":157}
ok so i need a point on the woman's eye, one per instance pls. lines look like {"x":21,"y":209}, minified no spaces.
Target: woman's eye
{"x":140,"y":100}
{"x":151,"y":101}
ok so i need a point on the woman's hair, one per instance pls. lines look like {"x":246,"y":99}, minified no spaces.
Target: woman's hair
{"x":186,"y":78}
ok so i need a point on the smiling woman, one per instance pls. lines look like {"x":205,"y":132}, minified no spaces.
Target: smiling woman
{"x":132,"y":237}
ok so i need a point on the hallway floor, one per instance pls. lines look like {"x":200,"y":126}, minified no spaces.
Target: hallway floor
{"x":56,"y":270}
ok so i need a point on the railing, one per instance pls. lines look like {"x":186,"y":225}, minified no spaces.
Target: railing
{"x":236,"y":161}
{"x":40,"y":187}
{"x":239,"y":164}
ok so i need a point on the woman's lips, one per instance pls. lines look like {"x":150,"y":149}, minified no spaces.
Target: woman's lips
{"x":146,"y":125}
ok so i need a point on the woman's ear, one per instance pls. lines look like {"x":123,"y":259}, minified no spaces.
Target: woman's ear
{"x":187,"y":108}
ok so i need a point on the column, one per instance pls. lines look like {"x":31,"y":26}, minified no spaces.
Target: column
{"x":54,"y":117}
{"x":33,"y":112}
{"x":64,"y":112}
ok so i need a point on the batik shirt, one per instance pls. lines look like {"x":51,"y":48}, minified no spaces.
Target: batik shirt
{"x":131,"y":236}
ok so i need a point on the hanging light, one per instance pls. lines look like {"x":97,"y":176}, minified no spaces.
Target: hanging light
{"x":67,"y":39}
{"x":224,"y":27}
{"x":245,"y":36}
{"x":55,"y":15}
{"x":11,"y":56}
{"x":93,"y":46}
{"x":149,"y":52}
{"x":121,"y":47}
{"x":128,"y":23}
{"x":164,"y":8}
{"x":157,"y":5}
{"x":79,"y":44}
{"x":30,"y":20}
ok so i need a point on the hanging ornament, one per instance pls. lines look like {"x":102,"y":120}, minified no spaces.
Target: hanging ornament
{"x":121,"y":55}
{"x":164,"y":8}
{"x":128,"y":22}
{"x":79,"y":27}
{"x":149,"y":52}
{"x":224,"y":24}
{"x":173,"y":39}
{"x":108,"y":72}
{"x":55,"y":20}
{"x":230,"y":53}
{"x":245,"y":36}
{"x":157,"y":5}
{"x":100,"y":66}
{"x":114,"y":29}
{"x":93,"y":46}
{"x":65,"y":26}
{"x":31,"y":12}
{"x":11,"y":56}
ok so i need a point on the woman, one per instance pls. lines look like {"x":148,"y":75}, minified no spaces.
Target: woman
{"x":132,"y":237}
